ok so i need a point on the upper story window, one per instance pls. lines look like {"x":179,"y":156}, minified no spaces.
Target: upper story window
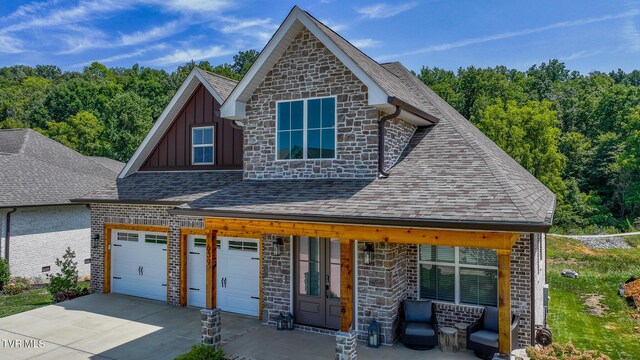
{"x":202,"y":145}
{"x":306,"y":129}
{"x":458,"y":274}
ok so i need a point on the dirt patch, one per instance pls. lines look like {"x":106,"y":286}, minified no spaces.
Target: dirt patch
{"x":610,"y":326}
{"x":594,"y":304}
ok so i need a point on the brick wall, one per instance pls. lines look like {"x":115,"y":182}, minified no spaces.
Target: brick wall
{"x":140,"y":215}
{"x":449,"y":314}
{"x":308,"y":69}
{"x":381,"y":288}
{"x":276,"y":280}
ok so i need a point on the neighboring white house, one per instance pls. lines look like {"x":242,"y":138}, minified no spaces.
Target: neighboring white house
{"x":38,"y":176}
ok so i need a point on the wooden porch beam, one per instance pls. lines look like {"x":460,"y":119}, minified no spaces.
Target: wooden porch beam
{"x":212,"y":264}
{"x":504,"y":302}
{"x":346,"y":284}
{"x":478,"y":239}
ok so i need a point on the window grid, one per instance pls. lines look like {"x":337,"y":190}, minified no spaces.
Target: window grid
{"x":305,"y":128}
{"x":155,"y":239}
{"x":195,"y":147}
{"x":456,"y":265}
{"x":125,"y":236}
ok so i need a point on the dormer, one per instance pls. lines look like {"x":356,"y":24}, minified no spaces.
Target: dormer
{"x":190,"y":135}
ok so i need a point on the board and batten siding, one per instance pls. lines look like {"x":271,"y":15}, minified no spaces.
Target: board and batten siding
{"x":173,"y":151}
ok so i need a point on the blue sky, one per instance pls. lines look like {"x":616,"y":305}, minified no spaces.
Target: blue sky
{"x":586,"y":35}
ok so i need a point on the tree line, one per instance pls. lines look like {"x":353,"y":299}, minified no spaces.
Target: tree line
{"x":578,"y":134}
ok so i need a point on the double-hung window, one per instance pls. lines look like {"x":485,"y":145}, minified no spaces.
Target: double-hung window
{"x":202,"y":145}
{"x":306,"y":129}
{"x":458,"y":274}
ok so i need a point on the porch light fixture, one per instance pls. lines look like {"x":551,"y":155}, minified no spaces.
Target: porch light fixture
{"x":281,"y":322}
{"x":95,"y":241}
{"x":289,"y":321}
{"x":278,"y":245}
{"x":368,"y":254}
{"x":373,"y":340}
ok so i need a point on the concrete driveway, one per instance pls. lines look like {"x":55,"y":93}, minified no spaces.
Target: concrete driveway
{"x":109,"y":326}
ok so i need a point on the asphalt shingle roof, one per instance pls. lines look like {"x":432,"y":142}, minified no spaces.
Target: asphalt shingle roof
{"x":40,"y":171}
{"x":222,"y":85}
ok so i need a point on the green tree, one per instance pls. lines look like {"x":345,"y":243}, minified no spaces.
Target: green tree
{"x":128,"y":121}
{"x":530,"y":135}
{"x":81,"y":132}
{"x":243,"y":61}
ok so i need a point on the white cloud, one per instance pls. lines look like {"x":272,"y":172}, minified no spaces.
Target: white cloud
{"x":512,"y":34}
{"x":122,"y":56}
{"x":381,"y":10}
{"x":335,"y":26}
{"x":580,"y":55}
{"x":185,"y":55}
{"x":152,"y":34}
{"x":10,"y":45}
{"x":194,"y":6}
{"x":260,"y":29}
{"x":631,"y":35}
{"x":365,"y":43}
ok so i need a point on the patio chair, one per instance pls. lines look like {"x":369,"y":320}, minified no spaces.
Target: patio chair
{"x":418,"y":325}
{"x":482,"y":335}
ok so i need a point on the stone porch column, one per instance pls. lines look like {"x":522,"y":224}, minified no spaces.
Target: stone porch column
{"x":211,"y":327}
{"x":346,"y":345}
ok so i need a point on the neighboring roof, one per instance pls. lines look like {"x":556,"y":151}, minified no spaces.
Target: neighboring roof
{"x":113,"y":165}
{"x":36,"y":170}
{"x":385,"y":91}
{"x":217,"y":85}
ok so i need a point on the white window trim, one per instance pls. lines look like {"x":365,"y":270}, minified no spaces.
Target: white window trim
{"x":456,"y":265}
{"x":212,"y":145}
{"x":305,"y":128}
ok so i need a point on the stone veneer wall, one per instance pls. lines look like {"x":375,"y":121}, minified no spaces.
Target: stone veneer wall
{"x":140,"y":215}
{"x":397,"y":135}
{"x":449,"y":314}
{"x":308,"y":69}
{"x":381,"y":288}
{"x":276,"y":280}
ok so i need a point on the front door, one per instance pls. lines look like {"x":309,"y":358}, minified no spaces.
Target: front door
{"x":317,"y":284}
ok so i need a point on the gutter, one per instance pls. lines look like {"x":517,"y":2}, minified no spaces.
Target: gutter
{"x":522,"y":227}
{"x":381,"y":132}
{"x":532,"y":262}
{"x":412,"y":109}
{"x":7,"y":237}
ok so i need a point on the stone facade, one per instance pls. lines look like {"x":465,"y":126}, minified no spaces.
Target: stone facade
{"x":381,"y":288}
{"x":308,"y":69}
{"x":211,"y":327}
{"x":141,"y":215}
{"x":397,"y":135}
{"x":346,"y":343}
{"x":276,"y":280}
{"x":39,"y":235}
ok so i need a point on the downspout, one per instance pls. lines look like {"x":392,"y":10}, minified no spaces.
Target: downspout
{"x":7,"y":235}
{"x":533,"y":256}
{"x":383,"y":120}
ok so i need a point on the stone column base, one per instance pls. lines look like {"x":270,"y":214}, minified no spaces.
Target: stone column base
{"x":346,"y":345}
{"x":211,"y":327}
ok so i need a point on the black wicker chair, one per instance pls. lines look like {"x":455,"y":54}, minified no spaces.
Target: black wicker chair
{"x":482,"y":335}
{"x":418,"y":325}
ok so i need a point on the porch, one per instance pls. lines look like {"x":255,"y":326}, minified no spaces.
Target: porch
{"x":265,"y":342}
{"x":277,"y":294}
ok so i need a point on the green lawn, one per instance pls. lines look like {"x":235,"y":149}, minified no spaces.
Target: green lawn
{"x":601,"y":271}
{"x":28,"y":300}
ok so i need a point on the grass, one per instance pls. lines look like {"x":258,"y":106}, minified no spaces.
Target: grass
{"x":615,"y":333}
{"x":25,"y":301}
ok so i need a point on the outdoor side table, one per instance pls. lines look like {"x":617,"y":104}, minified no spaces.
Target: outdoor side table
{"x":462,"y":335}
{"x":448,"y":339}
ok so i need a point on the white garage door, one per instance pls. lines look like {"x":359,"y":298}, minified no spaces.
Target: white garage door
{"x":238,"y":274}
{"x":139,"y":264}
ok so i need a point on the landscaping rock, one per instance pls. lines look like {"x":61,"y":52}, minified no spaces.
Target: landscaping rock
{"x":598,"y":242}
{"x":569,"y":273}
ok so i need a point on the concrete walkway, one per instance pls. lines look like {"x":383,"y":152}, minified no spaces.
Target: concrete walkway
{"x":110,"y":326}
{"x":265,"y":342}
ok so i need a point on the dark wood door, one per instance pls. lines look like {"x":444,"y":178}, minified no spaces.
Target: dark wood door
{"x":317,"y":282}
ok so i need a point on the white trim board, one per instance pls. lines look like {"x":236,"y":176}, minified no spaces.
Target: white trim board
{"x":234,"y":107}
{"x":167,"y":117}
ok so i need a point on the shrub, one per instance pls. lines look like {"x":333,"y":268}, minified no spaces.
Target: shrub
{"x":201,"y":352}
{"x":563,"y":352}
{"x":5,"y":274}
{"x":16,"y":285}
{"x":67,"y":279}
